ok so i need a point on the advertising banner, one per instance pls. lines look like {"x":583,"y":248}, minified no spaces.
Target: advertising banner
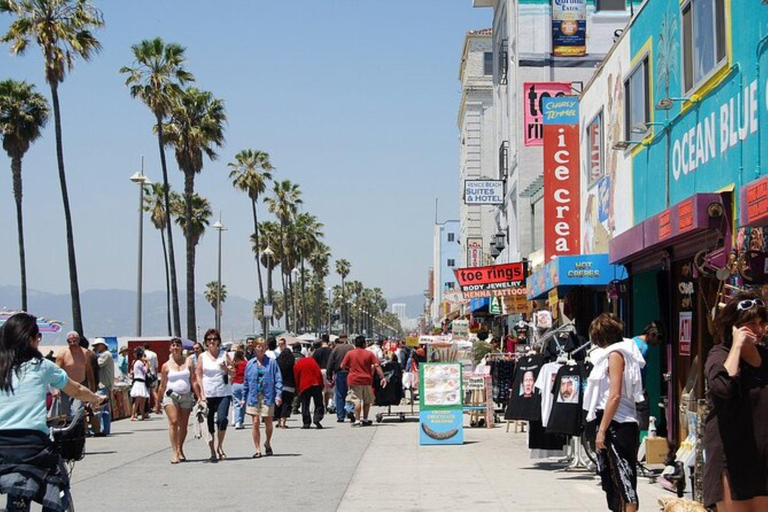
{"x":492,"y":281}
{"x":569,"y":27}
{"x":489,"y":192}
{"x":474,"y":252}
{"x":686,"y":332}
{"x":440,"y":404}
{"x":533,"y":118}
{"x":562,"y":226}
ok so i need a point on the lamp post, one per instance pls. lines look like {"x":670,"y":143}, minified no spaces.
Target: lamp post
{"x":267,"y":308}
{"x":294,"y":305}
{"x":329,"y":310}
{"x":139,"y":178}
{"x":218,"y":226}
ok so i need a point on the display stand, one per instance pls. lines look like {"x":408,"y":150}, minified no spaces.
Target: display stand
{"x":440,"y":404}
{"x":478,"y":401}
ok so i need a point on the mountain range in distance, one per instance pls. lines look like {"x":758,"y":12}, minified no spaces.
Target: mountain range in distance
{"x":113,"y":312}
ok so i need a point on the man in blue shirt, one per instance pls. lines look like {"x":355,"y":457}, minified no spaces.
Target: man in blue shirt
{"x":651,"y":335}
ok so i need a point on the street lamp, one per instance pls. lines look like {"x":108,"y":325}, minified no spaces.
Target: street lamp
{"x":139,"y":178}
{"x":295,"y":274}
{"x":267,"y":308}
{"x":218,"y":226}
{"x":329,"y":310}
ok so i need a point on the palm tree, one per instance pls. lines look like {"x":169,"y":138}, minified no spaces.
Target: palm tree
{"x":63,"y":31}
{"x":319,"y":260}
{"x":156,"y":79}
{"x":269,"y":252}
{"x":195,"y":128}
{"x":343,"y":268}
{"x":212,"y":291}
{"x":249,"y":173}
{"x":192,"y":217}
{"x":155,"y":201}
{"x":23,"y":114}
{"x":284,"y":205}
{"x":306,"y":235}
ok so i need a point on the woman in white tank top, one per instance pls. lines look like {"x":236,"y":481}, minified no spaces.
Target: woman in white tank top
{"x":178,"y":387}
{"x":215,"y":372}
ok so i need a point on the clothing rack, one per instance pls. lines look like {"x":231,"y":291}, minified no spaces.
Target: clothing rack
{"x":552,"y":333}
{"x":581,"y":348}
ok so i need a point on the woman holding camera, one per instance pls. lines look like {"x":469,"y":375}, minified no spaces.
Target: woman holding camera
{"x":178,"y":388}
{"x":736,"y":427}
{"x":214,"y":371}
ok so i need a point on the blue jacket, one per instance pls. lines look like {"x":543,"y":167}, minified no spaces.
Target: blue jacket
{"x":272,"y":386}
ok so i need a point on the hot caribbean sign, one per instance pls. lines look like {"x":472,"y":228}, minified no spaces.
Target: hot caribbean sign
{"x":562,"y":231}
{"x":492,"y":281}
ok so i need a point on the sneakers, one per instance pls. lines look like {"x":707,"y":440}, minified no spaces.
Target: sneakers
{"x":366,"y":422}
{"x":340,"y":420}
{"x":351,"y":416}
{"x":239,"y":426}
{"x":357,"y":423}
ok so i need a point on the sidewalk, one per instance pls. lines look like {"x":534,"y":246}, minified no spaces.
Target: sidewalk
{"x":491,"y":471}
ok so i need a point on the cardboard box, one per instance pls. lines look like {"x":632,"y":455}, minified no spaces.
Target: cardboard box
{"x":656,"y":450}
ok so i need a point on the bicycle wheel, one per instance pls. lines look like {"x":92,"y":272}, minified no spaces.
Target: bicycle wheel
{"x":589,"y":449}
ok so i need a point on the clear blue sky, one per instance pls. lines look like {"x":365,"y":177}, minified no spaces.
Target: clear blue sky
{"x":355,"y":100}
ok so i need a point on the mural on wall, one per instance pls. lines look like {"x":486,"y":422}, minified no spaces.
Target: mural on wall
{"x":599,"y":215}
{"x":667,"y":51}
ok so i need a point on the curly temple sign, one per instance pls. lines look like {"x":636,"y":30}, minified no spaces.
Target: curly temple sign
{"x":492,"y":281}
{"x":562,"y":227}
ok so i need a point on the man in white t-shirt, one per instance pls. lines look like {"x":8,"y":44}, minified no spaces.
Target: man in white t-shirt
{"x":152,"y":371}
{"x":376,"y":349}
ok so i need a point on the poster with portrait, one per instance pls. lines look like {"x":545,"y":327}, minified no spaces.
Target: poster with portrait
{"x":569,"y":389}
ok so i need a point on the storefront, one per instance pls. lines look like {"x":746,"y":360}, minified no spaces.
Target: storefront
{"x":672,"y":258}
{"x":581,"y":283}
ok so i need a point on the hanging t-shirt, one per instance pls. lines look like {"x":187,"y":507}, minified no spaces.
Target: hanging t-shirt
{"x":566,"y":416}
{"x":540,"y":439}
{"x":524,"y":400}
{"x":545,"y":382}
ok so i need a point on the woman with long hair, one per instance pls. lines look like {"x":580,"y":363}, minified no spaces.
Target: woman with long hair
{"x":263,"y":389}
{"x":25,"y":376}
{"x":736,"y":427}
{"x":214,"y":372}
{"x":285,"y":361}
{"x":139,"y":389}
{"x":239,"y":362}
{"x":178,"y":388}
{"x":613,"y":387}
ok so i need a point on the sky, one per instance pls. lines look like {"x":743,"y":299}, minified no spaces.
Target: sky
{"x":354,"y":100}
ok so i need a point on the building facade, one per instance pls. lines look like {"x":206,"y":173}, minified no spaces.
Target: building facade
{"x":445,"y":258}
{"x":476,"y":144}
{"x":398,"y":309}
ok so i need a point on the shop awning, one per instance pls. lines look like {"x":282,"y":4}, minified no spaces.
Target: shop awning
{"x":566,"y":272}
{"x":753,"y":203}
{"x":694,"y":215}
{"x":476,"y":305}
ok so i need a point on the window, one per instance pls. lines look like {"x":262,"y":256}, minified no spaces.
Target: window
{"x":612,"y":5}
{"x":451,"y":263}
{"x":503,"y":61}
{"x":503,"y":160}
{"x":448,"y":285}
{"x":595,"y":149}
{"x":703,"y":39}
{"x":488,"y":63}
{"x":636,"y":98}
{"x":451,"y":237}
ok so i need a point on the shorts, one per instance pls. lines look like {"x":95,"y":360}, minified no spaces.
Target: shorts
{"x":260,"y":409}
{"x":184,"y":401}
{"x":360,"y":394}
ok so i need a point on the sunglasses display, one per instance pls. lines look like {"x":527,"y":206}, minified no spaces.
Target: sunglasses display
{"x":749,"y":304}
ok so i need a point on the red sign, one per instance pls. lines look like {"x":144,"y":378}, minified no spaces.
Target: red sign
{"x":757,"y":201}
{"x":685,"y":216}
{"x":665,"y":224}
{"x":474,"y":252}
{"x":492,"y":281}
{"x":686,"y":332}
{"x":533,"y":116}
{"x":562,"y":229}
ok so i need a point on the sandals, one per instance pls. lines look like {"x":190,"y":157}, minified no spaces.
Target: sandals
{"x":256,"y":455}
{"x":222,"y":455}
{"x":268,"y":450}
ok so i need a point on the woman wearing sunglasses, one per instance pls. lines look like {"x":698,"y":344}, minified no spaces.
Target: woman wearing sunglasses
{"x":177,"y":383}
{"x":214,"y":371}
{"x":736,"y":427}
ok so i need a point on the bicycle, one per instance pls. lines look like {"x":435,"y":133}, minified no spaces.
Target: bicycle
{"x":69,"y":444}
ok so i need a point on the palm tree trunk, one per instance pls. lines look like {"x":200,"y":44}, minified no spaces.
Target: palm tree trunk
{"x":304,"y":315}
{"x":343,"y":310}
{"x":169,"y":230}
{"x":167,"y":284}
{"x":74,"y":287}
{"x":294,"y":323}
{"x":258,"y":258}
{"x":286,"y":311}
{"x":16,"y":170}
{"x":189,"y":192}
{"x":269,"y":300}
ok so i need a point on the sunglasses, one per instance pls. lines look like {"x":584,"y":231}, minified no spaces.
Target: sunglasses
{"x":749,"y":304}
{"x":212,"y":339}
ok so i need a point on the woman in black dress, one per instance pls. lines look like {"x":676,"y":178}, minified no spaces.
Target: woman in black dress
{"x":736,"y":428}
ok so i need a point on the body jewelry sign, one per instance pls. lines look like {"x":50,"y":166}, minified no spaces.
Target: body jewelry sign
{"x":492,"y":281}
{"x":562,"y":229}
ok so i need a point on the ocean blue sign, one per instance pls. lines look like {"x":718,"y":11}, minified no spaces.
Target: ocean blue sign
{"x":578,"y":270}
{"x":441,"y":427}
{"x":560,"y":110}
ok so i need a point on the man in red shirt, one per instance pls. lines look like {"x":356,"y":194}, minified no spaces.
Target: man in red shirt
{"x":361,"y":363}
{"x":309,"y":384}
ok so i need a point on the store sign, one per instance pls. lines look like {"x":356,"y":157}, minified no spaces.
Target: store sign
{"x":412,"y":341}
{"x":440,"y":404}
{"x":479,"y":192}
{"x":754,"y":203}
{"x":578,"y":270}
{"x":492,"y":281}
{"x":685,"y":216}
{"x":460,"y":327}
{"x":515,"y":305}
{"x":533,"y":117}
{"x":569,"y":27}
{"x":562,"y":229}
{"x":685,"y":328}
{"x":474,"y":252}
{"x":495,"y":307}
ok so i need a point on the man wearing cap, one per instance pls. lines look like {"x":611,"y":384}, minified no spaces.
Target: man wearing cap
{"x":106,"y":380}
{"x":338,"y":376}
{"x":75,"y":362}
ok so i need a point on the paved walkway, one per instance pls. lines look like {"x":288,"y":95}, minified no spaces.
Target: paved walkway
{"x":372,"y":468}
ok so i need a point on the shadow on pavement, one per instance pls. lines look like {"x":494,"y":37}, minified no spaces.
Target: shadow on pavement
{"x":101,"y":453}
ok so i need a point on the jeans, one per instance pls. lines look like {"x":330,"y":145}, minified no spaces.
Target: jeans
{"x":315,"y":394}
{"x":342,"y":407}
{"x":105,"y":415}
{"x":237,"y":396}
{"x":218,"y":407}
{"x":16,"y":503}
